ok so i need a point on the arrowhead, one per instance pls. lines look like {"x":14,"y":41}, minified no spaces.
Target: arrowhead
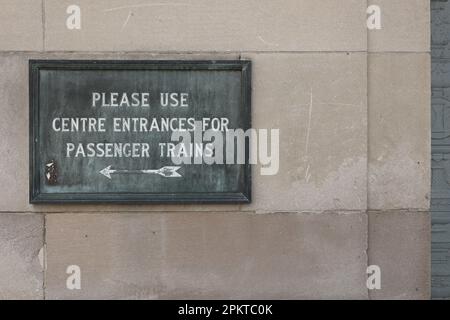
{"x":169,"y":172}
{"x":106,"y":172}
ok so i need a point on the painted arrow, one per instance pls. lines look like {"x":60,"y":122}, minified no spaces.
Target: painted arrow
{"x":168,"y":172}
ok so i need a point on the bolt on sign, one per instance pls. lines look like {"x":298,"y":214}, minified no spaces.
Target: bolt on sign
{"x":139,"y":131}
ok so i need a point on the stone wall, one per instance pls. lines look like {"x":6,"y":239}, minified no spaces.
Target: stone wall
{"x":353,"y":109}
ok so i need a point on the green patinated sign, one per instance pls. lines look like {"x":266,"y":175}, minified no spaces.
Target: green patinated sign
{"x":138,"y":131}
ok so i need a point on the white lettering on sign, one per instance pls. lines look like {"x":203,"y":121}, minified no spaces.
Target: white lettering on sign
{"x":174,"y":99}
{"x":211,"y":134}
{"x":116,"y":99}
{"x":78,"y":124}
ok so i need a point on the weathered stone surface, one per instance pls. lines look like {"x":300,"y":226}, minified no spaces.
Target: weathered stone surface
{"x":205,"y":25}
{"x":14,"y":133}
{"x":405,"y":26}
{"x":21,"y":25}
{"x":319,"y":104}
{"x":399,"y":243}
{"x":335,"y":150}
{"x":21,"y":239}
{"x":399,"y":131}
{"x":208,"y":255}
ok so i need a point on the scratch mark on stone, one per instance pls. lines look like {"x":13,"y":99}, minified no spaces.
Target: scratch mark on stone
{"x":267,"y":42}
{"x":308,"y":130}
{"x":128,"y":19}
{"x":146,"y":5}
{"x":339,"y":104}
{"x":307,"y":174}
{"x":42,"y":257}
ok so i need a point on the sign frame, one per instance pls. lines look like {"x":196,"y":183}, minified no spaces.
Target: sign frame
{"x":38,"y":197}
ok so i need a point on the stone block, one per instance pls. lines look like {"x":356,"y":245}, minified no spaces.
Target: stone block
{"x":319,"y":104}
{"x":205,"y":25}
{"x":405,"y":26}
{"x":21,"y":256}
{"x":22,"y":25}
{"x":399,"y":131}
{"x":208,"y":255}
{"x":399,"y":243}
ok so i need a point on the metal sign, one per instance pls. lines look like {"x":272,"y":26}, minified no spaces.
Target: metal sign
{"x":139,"y":131}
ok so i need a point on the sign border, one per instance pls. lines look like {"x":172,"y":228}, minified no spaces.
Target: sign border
{"x":35,"y":195}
